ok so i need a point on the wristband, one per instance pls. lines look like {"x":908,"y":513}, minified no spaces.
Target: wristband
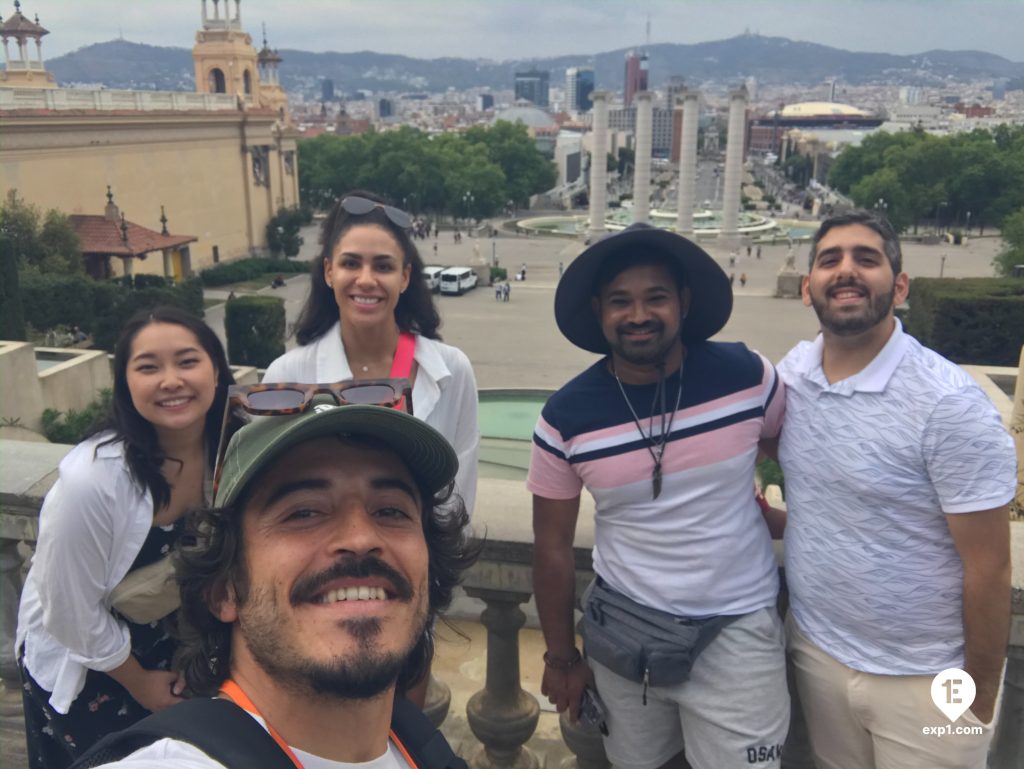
{"x":557,"y":663}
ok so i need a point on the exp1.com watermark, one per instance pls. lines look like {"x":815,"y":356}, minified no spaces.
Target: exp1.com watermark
{"x":939,"y":731}
{"x":953,"y":692}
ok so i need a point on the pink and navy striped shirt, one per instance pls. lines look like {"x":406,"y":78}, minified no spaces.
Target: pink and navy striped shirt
{"x":701,"y":548}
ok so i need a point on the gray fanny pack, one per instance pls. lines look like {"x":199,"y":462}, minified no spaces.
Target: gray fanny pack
{"x":641,"y":644}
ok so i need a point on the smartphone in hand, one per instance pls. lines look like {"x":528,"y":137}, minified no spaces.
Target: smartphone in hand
{"x":592,"y":711}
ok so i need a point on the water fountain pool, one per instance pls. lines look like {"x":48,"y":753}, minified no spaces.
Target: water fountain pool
{"x":706,"y":224}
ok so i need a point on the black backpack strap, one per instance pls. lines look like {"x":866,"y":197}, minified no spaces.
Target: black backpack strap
{"x":229,"y":735}
{"x":219,"y":728}
{"x":427,"y":747}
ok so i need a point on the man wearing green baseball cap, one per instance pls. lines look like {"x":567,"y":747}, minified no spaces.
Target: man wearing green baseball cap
{"x":310,"y":589}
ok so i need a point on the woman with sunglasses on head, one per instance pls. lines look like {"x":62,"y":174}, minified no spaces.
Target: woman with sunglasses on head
{"x":94,"y":653}
{"x":370,"y":315}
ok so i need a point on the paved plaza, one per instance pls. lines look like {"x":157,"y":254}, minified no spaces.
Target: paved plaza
{"x":516,"y":344}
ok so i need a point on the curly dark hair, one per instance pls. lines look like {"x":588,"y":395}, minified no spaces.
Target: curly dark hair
{"x":209,"y":562}
{"x":415,"y":311}
{"x":142,"y":450}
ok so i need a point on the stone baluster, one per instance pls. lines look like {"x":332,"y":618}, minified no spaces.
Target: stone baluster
{"x":585,"y":742}
{"x":502,"y":715}
{"x":438,"y":702}
{"x":10,"y":593}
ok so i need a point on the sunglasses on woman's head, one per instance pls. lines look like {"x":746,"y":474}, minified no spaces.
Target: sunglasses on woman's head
{"x":289,"y":398}
{"x":358,"y":206}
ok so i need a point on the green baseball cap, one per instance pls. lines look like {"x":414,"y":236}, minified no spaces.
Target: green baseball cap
{"x":429,"y":457}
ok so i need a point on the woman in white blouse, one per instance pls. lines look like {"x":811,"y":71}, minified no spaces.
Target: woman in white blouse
{"x":92,"y":661}
{"x":367,"y":292}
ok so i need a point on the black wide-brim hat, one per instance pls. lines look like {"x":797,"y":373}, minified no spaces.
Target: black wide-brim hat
{"x":710,"y":291}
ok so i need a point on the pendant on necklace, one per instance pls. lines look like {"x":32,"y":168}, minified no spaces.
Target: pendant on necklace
{"x":365,"y":369}
{"x":656,"y":479}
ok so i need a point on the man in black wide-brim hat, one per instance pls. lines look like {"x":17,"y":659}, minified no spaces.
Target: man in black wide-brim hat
{"x":681,"y":633}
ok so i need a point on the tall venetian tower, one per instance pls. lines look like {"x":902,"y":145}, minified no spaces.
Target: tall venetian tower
{"x":224,"y":55}
{"x":271,"y":95}
{"x":21,"y":70}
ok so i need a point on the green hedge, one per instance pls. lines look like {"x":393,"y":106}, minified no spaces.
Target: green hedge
{"x":247,"y":269}
{"x":970,"y":320}
{"x":254,"y":326}
{"x":109,"y":322}
{"x":100,"y":307}
{"x":71,"y":427}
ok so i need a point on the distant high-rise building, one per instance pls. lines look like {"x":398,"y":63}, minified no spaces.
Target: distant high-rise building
{"x":533,"y":85}
{"x":579,"y":84}
{"x":911,"y":94}
{"x":484,"y":101}
{"x":327,"y":90}
{"x":676,"y":86}
{"x":385,"y":108}
{"x":636,"y":76}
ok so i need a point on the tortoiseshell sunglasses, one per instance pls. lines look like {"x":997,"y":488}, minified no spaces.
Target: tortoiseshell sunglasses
{"x":284,"y":398}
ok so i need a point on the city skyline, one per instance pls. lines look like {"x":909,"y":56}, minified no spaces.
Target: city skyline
{"x":451,"y":28}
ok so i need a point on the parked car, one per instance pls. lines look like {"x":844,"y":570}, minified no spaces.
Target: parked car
{"x":432,"y":276}
{"x":457,"y":280}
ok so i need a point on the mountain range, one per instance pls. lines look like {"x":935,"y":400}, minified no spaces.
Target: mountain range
{"x":771,"y":60}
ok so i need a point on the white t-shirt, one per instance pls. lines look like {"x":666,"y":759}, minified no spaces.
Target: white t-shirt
{"x":183,"y":755}
{"x":873,"y":465}
{"x":443,"y":395}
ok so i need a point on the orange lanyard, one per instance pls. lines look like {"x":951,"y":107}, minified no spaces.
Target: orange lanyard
{"x":234,"y":692}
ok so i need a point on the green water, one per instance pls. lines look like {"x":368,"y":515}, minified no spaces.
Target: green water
{"x":507,"y":419}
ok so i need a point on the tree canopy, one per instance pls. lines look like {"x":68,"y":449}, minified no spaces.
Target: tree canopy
{"x":47,"y":243}
{"x":974,"y":178}
{"x":473,"y":174}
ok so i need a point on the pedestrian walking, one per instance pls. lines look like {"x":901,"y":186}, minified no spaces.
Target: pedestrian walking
{"x":743,"y":279}
{"x":506,"y":291}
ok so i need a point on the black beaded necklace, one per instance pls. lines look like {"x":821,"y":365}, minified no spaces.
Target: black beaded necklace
{"x":656,"y":448}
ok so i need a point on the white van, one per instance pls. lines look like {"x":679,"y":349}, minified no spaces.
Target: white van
{"x":457,"y":280}
{"x":432,"y":277}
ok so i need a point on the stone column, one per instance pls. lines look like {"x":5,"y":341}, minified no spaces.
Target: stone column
{"x":687,"y":163}
{"x":168,"y":264}
{"x":642,"y":166}
{"x":728,"y":237}
{"x":502,"y":716}
{"x":599,"y":163}
{"x":10,"y":594}
{"x":438,"y":701}
{"x":586,"y":744}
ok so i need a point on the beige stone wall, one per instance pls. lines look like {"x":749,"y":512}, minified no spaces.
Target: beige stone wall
{"x":191,"y":163}
{"x":77,"y":383}
{"x":21,"y":399}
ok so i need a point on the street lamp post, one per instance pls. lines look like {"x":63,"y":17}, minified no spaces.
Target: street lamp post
{"x":938,"y":216}
{"x":881,"y":206}
{"x":968,"y":228}
{"x":467,"y":200}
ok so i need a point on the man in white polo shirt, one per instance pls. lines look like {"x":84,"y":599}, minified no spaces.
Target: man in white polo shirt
{"x":898,"y":476}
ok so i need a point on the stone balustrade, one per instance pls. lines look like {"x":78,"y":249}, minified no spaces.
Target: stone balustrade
{"x":500,"y":714}
{"x":104,"y":100}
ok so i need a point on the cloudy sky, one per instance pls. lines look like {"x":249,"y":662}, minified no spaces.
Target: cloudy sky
{"x":513,"y":29}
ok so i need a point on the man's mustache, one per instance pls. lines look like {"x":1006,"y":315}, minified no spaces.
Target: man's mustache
{"x":307,"y":588}
{"x":640,"y":328}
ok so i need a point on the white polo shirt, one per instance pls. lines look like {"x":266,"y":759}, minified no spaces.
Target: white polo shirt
{"x":873,"y":463}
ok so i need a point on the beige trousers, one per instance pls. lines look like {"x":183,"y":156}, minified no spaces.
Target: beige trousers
{"x":861,"y":720}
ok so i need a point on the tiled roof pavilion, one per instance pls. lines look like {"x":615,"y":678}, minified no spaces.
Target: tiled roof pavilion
{"x":102,"y":236}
